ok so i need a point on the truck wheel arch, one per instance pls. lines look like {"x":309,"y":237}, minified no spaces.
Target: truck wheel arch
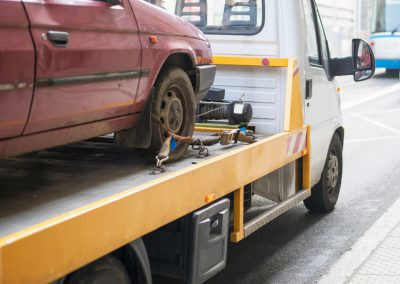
{"x":325,"y":193}
{"x":135,"y":259}
{"x":131,"y":259}
{"x":340,"y":132}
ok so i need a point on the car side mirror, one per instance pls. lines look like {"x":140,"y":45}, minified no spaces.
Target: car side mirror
{"x":364,"y":60}
{"x":361,"y":65}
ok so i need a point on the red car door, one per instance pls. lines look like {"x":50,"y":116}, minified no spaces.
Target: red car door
{"x":17,"y":61}
{"x":88,"y":61}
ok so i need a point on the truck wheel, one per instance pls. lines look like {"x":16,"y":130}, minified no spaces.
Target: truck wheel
{"x":325,"y":194}
{"x":174,"y":106}
{"x":106,"y":270}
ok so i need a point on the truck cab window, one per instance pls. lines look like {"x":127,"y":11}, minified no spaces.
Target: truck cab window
{"x":311,"y":30}
{"x":240,"y":17}
{"x":324,"y":48}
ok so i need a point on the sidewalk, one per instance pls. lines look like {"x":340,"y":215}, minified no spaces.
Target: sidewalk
{"x":375,"y":257}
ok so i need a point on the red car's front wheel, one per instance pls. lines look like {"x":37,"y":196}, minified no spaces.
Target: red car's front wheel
{"x":173,"y":109}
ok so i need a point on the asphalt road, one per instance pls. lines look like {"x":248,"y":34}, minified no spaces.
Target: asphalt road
{"x":299,"y":246}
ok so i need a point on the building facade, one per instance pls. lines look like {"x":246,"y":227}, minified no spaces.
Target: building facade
{"x":344,"y":20}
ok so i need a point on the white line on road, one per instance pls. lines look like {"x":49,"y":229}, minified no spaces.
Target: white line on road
{"x":383,"y":92}
{"x":370,"y":139}
{"x":347,"y":265}
{"x":380,"y":111}
{"x":377,"y":123}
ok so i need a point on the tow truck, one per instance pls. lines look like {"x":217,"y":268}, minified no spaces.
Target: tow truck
{"x":89,"y":212}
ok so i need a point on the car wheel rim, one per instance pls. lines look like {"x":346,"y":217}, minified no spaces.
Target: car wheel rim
{"x":332,"y":173}
{"x":172,"y":112}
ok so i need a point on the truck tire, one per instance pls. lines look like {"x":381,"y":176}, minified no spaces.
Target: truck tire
{"x":174,"y":106}
{"x":108,"y":269}
{"x":325,"y":194}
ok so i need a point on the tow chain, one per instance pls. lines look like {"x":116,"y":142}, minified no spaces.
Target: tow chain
{"x":224,"y":138}
{"x":198,"y":146}
{"x":159,"y":168}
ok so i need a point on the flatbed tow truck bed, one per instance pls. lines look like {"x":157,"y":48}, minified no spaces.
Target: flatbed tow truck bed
{"x":63,"y":208}
{"x":46,"y":184}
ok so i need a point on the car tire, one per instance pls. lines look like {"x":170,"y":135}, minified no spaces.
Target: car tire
{"x":174,"y":107}
{"x":325,"y":194}
{"x":108,"y":269}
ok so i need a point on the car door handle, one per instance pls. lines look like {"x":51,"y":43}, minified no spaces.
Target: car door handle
{"x":59,"y":39}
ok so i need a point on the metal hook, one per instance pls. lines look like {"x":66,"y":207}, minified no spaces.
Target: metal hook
{"x":203,"y":152}
{"x":198,"y":146}
{"x":160,"y":168}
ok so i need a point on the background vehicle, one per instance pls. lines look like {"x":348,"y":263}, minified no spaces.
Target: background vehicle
{"x":137,"y":225}
{"x":65,"y":79}
{"x":385,"y":38}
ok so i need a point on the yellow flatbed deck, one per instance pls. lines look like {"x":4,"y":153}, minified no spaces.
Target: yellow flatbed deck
{"x":46,"y":184}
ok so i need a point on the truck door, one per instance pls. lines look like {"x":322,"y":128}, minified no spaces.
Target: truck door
{"x":322,"y":100}
{"x":17,"y":62}
{"x":88,"y":61}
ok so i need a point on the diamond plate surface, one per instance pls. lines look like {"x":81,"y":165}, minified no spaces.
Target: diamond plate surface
{"x":385,"y":260}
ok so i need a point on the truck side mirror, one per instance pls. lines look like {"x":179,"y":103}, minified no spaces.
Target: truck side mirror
{"x":361,"y":65}
{"x":364,"y":60}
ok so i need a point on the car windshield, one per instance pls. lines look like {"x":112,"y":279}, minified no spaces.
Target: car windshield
{"x":218,"y":16}
{"x":386,"y":15}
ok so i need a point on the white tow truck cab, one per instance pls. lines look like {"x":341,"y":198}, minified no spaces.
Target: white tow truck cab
{"x":69,"y":214}
{"x":272,"y":29}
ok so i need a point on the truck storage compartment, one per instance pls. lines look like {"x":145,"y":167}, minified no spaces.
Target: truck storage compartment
{"x":193,"y":248}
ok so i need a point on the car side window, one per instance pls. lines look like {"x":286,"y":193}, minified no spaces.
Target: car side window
{"x":311,"y":30}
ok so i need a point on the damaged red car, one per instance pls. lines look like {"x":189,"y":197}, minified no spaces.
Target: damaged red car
{"x":71,"y":70}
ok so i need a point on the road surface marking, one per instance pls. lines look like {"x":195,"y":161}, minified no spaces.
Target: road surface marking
{"x":348,"y":264}
{"x":384,"y":92}
{"x":370,"y":139}
{"x":377,"y":123}
{"x":380,"y":111}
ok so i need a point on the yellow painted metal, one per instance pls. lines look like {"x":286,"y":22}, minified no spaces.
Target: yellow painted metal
{"x":60,"y":245}
{"x":211,"y":129}
{"x":238,"y":215}
{"x":293,"y":103}
{"x":217,"y":125}
{"x":214,"y":127}
{"x":250,"y":61}
{"x":293,"y":119}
